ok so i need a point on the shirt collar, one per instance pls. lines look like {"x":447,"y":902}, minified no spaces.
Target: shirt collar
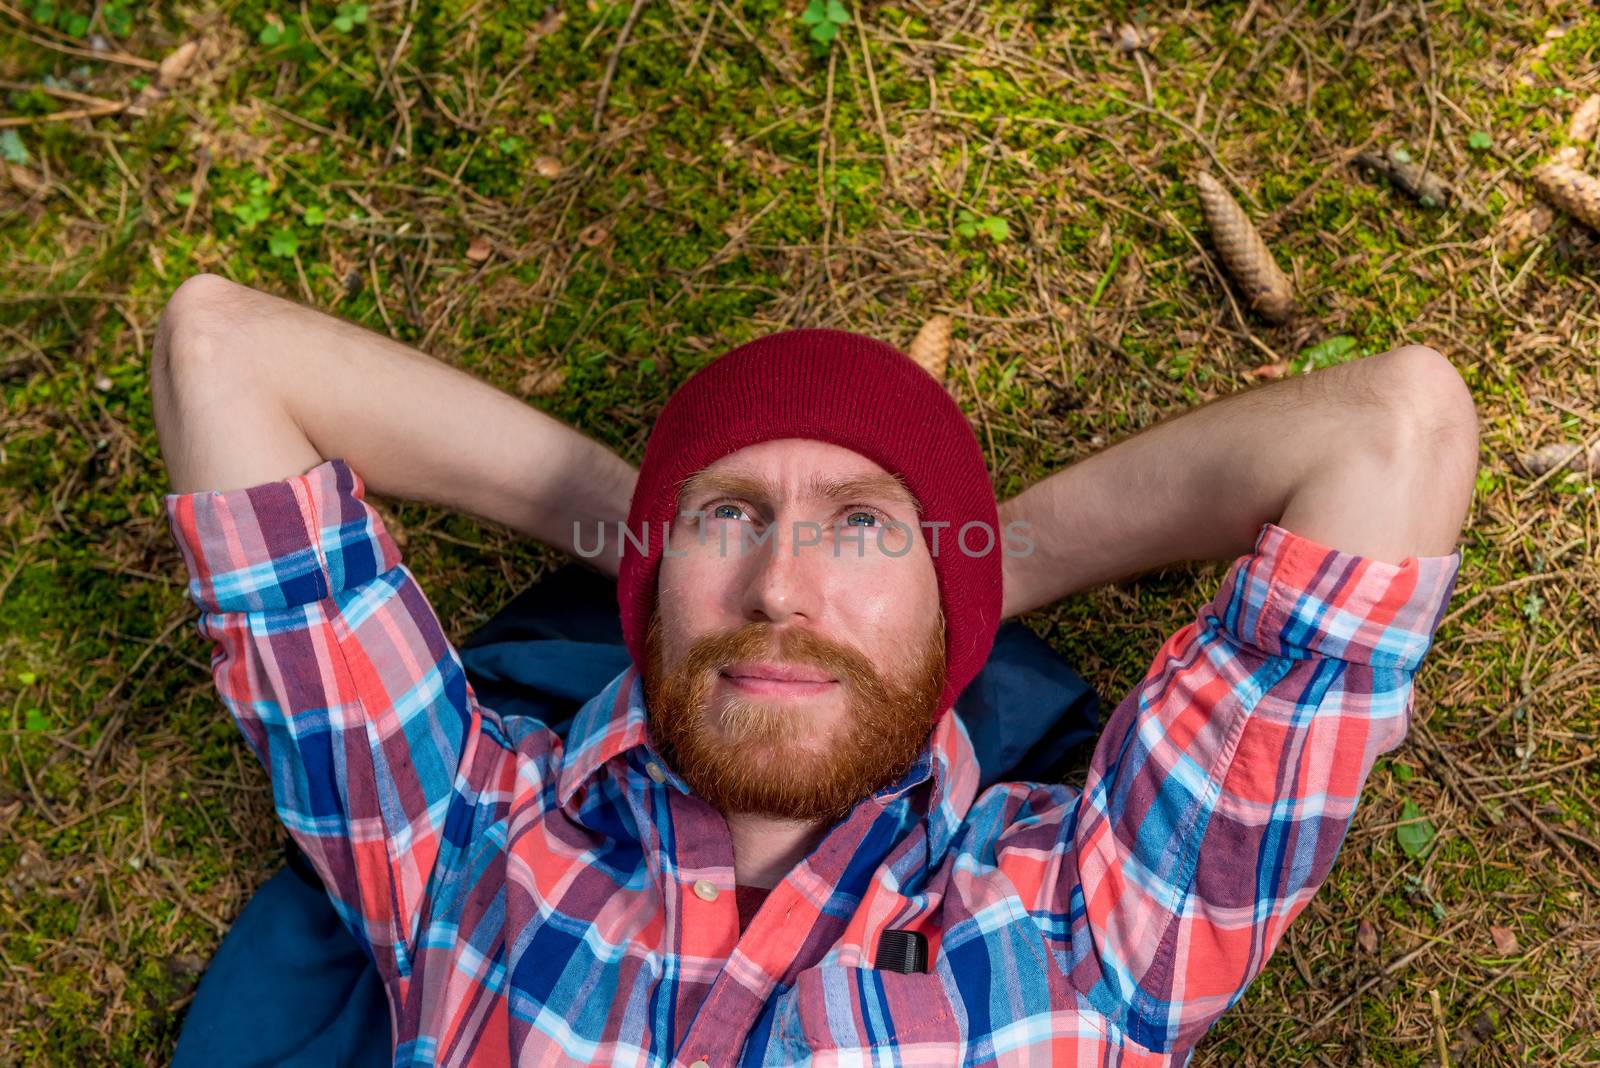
{"x":613,"y":723}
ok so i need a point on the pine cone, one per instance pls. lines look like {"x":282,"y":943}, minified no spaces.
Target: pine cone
{"x":1424,"y":186}
{"x":1566,"y":455}
{"x":931,"y":347}
{"x":1571,"y":190}
{"x":1580,"y":132}
{"x":1243,"y":252}
{"x":1585,"y":121}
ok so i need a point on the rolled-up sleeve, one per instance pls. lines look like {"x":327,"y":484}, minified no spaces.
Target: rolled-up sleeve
{"x":1223,"y":786}
{"x":341,"y":678}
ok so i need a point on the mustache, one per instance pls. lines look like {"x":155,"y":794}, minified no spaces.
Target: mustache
{"x":764,"y":641}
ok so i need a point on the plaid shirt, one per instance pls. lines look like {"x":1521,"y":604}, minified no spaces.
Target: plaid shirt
{"x":544,"y":902}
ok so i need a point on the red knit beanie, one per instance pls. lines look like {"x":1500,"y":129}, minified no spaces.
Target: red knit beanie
{"x":848,"y":390}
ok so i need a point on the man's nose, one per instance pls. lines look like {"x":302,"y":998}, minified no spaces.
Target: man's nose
{"x":782,"y":581}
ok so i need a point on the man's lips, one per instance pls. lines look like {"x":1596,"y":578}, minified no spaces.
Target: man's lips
{"x":772,"y":679}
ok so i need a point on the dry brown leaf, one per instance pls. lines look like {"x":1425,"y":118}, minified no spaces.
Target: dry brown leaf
{"x":1367,"y":936}
{"x":931,"y":347}
{"x":1244,"y":254}
{"x":550,"y":23}
{"x":24,"y":179}
{"x":547,"y":167}
{"x":1505,"y":939}
{"x":590,"y":236}
{"x":175,"y":64}
{"x":479,"y":249}
{"x":1525,"y":224}
{"x":1571,"y":190}
{"x":542,"y":381}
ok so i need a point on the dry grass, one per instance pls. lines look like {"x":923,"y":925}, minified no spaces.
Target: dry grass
{"x":732,"y":182}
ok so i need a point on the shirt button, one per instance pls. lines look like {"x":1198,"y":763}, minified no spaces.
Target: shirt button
{"x":705,"y":892}
{"x":653,"y":770}
{"x":700,"y":1064}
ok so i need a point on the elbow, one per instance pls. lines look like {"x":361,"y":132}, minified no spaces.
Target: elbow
{"x":190,"y":355}
{"x":1428,"y":433}
{"x":1432,"y":409}
{"x":193,"y":319}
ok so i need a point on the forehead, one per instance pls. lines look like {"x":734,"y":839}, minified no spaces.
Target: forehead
{"x":798,"y":468}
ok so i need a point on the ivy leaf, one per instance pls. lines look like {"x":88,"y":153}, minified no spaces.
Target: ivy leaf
{"x":837,"y":14}
{"x":283,"y":243}
{"x":1415,"y":832}
{"x":1479,"y":140}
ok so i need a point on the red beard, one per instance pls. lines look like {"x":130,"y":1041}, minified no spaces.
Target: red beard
{"x":762,"y":761}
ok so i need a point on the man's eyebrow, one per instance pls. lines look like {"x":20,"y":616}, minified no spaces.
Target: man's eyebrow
{"x":884,"y":488}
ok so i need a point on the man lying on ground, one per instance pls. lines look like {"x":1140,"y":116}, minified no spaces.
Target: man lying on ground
{"x":763,"y":842}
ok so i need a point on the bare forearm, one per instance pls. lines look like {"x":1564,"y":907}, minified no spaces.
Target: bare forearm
{"x":1375,"y":457}
{"x":249,"y":388}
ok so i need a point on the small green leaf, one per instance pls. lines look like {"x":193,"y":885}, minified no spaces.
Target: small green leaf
{"x":12,"y":148}
{"x":44,"y":11}
{"x":283,"y":243}
{"x":1402,"y":772}
{"x":35,"y":721}
{"x":837,"y":14}
{"x":314,"y":215}
{"x":27,"y":678}
{"x":185,"y":197}
{"x":343,"y":24}
{"x":1532,"y":605}
{"x":996,"y":227}
{"x":77,"y":25}
{"x":1402,"y":155}
{"x":1415,"y":832}
{"x":816,"y":11}
{"x":1324,"y":353}
{"x":647,"y":366}
{"x":824,"y":32}
{"x":271,"y":33}
{"x":1479,"y":140}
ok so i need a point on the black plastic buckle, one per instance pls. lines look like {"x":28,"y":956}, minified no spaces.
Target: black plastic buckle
{"x":900,"y":951}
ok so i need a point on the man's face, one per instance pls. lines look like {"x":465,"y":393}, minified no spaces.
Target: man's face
{"x":794,"y":676}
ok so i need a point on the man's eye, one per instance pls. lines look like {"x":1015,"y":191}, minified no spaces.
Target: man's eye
{"x":726,"y":511}
{"x":870,"y":519}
